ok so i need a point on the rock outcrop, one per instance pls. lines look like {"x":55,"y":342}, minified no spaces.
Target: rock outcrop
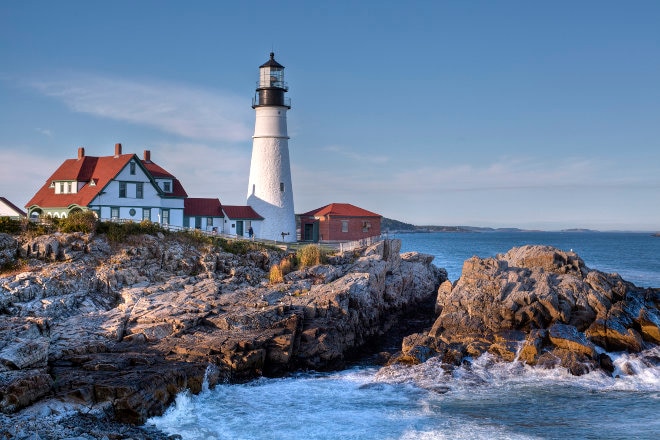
{"x":129,"y":326}
{"x":542,"y":306}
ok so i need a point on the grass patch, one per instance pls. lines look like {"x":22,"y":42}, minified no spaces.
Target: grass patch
{"x":311,"y":255}
{"x":277,"y":271}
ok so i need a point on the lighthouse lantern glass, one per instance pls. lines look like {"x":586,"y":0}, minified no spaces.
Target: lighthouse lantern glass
{"x":271,"y":77}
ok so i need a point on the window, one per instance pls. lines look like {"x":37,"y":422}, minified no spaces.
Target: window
{"x":68,"y":187}
{"x":167,"y":187}
{"x":122,"y":189}
{"x":344,"y":226}
{"x":114,"y":213}
{"x":146,"y":213}
{"x":281,"y":186}
{"x":61,"y":187}
{"x":209,"y":222}
{"x":131,"y":212}
{"x":132,"y":167}
{"x":139,"y":190}
{"x":166,"y":217}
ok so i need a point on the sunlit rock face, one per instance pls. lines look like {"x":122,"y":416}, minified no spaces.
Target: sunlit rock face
{"x":130,"y":325}
{"x":540,"y":305}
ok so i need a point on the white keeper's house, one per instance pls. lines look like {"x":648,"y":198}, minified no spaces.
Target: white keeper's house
{"x":126,"y":187}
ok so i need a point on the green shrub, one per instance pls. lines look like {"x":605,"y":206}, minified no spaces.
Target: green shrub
{"x":118,"y":232}
{"x":78,"y":221}
{"x":240,"y":247}
{"x":10,"y":225}
{"x":43,"y":226}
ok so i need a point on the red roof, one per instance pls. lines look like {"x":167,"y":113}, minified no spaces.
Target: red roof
{"x":12,"y":206}
{"x":197,"y":207}
{"x":160,"y":173}
{"x":101,"y":169}
{"x":241,"y":212}
{"x":156,"y":170}
{"x":87,"y":168}
{"x":341,"y":209}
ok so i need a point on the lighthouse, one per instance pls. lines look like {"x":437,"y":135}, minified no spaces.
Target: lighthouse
{"x":270,"y":192}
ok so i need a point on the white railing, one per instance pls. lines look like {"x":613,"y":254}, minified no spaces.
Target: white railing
{"x":351,"y":245}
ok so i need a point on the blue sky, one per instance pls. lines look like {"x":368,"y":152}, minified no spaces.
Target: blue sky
{"x":487,"y":113}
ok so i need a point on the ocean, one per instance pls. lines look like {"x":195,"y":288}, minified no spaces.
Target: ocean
{"x":484,"y":400}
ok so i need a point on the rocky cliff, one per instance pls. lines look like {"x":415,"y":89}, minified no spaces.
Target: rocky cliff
{"x":126,"y":327}
{"x":541,"y":306}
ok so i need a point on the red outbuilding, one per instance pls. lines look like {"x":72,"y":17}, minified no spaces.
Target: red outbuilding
{"x":339,"y":222}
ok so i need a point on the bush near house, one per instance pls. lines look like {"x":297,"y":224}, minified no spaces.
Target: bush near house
{"x":79,"y":221}
{"x":10,"y":225}
{"x":119,"y":231}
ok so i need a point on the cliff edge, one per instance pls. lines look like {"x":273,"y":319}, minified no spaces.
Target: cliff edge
{"x":125,"y":327}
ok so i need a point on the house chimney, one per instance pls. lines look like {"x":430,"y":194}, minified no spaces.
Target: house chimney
{"x":81,"y":152}
{"x":147,"y":156}
{"x":117,"y":150}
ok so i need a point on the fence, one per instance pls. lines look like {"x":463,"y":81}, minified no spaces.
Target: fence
{"x":351,"y":245}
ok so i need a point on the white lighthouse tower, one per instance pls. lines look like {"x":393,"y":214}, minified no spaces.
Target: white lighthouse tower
{"x":270,"y":192}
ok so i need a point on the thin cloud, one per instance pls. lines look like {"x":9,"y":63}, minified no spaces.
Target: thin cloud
{"x":433,"y":184}
{"x":44,"y":131}
{"x":194,"y":113}
{"x":510,"y":174}
{"x":351,"y":154}
{"x":23,"y":173}
{"x":206,"y":171}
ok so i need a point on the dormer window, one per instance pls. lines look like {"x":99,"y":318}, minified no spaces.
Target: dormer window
{"x":167,"y":187}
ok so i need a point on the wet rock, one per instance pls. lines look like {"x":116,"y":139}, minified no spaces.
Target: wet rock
{"x":569,"y":338}
{"x":562,"y":308}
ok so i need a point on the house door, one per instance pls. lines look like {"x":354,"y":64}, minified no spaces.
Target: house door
{"x":198,"y":223}
{"x":239,"y":228}
{"x":311,"y":232}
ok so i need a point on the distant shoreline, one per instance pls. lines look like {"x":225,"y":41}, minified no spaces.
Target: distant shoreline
{"x":513,"y":230}
{"x":391,"y":226}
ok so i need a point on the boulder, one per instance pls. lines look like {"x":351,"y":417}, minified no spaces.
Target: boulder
{"x":561,"y":308}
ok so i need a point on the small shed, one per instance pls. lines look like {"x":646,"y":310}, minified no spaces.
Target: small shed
{"x":239,"y":220}
{"x":203,"y":213}
{"x":339,"y":222}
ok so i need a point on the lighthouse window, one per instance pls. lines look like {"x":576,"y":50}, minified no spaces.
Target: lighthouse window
{"x":282,"y":186}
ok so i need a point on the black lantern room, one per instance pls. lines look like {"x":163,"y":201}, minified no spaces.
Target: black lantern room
{"x":271,"y":86}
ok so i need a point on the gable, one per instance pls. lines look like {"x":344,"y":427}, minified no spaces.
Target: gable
{"x":88,"y":169}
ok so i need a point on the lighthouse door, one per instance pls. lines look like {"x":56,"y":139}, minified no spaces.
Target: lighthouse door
{"x":239,"y":228}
